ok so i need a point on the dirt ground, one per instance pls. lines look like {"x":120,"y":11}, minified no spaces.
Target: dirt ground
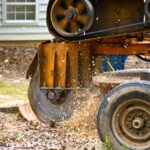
{"x":79,"y":133}
{"x":14,"y":61}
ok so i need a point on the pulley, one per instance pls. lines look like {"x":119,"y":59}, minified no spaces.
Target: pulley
{"x":72,"y":17}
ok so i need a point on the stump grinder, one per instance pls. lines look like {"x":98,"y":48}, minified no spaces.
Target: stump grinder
{"x":85,"y":30}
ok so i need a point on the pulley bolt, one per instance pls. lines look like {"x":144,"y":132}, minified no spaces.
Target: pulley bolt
{"x":50,"y":95}
{"x":138,"y":123}
{"x":71,"y":15}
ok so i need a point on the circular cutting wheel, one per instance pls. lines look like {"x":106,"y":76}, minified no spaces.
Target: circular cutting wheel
{"x":124,"y":116}
{"x":71,"y":17}
{"x":54,"y":104}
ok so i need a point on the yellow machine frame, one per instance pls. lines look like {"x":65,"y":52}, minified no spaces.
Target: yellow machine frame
{"x":71,"y":64}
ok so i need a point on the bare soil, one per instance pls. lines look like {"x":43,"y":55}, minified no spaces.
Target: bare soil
{"x":15,"y":60}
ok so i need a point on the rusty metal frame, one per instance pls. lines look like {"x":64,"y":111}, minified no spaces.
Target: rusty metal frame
{"x":64,"y":65}
{"x":119,"y":49}
{"x":70,"y":64}
{"x":139,"y":45}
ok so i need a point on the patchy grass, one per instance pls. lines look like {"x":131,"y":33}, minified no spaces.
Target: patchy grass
{"x":107,"y":144}
{"x":13,"y":91}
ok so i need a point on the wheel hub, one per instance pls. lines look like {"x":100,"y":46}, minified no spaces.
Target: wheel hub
{"x":138,"y":123}
{"x":71,"y":15}
{"x":131,"y":123}
{"x":135,"y":123}
{"x":56,"y":96}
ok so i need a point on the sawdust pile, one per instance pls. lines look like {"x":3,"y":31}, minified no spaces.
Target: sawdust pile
{"x":83,"y":122}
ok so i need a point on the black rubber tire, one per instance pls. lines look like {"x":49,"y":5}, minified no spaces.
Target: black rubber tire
{"x":46,"y":110}
{"x":110,"y":103}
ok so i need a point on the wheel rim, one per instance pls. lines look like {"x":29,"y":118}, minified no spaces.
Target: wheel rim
{"x":72,"y":17}
{"x":131,"y":123}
